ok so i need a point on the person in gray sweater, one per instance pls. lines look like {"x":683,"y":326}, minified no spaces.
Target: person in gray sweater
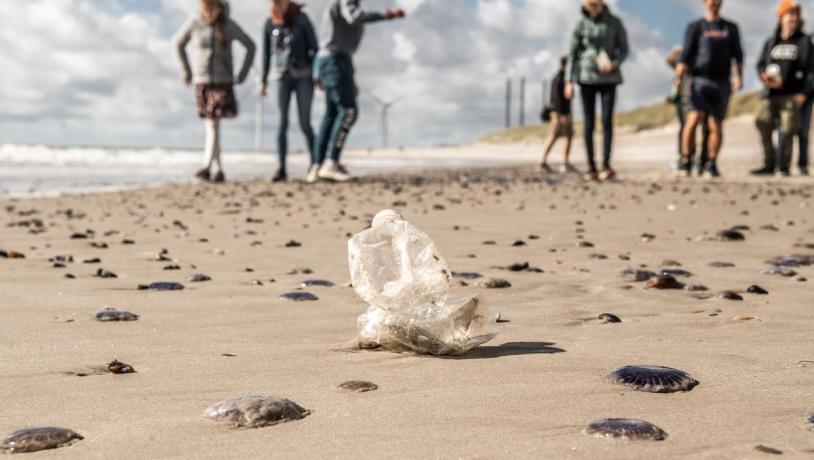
{"x":211,"y":70}
{"x":342,"y":31}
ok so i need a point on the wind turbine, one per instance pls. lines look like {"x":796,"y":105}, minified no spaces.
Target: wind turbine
{"x":385,"y":107}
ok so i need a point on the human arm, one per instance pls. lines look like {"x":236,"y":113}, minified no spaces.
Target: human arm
{"x":570,"y":67}
{"x":688,"y":54}
{"x":181,"y":41}
{"x":352,"y":12}
{"x":737,"y":56}
{"x":266,"y":56}
{"x":622,"y":47}
{"x":247,"y":43}
{"x":311,"y":40}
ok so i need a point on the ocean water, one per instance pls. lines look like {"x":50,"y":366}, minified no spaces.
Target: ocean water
{"x":42,"y":170}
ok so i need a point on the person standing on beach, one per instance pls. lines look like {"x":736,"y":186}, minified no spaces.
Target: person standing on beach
{"x":563,"y":126}
{"x":784,"y":68}
{"x":289,"y":49}
{"x":211,"y":35}
{"x":680,"y":98}
{"x":343,"y":28}
{"x":598,"y":48}
{"x":711,"y":46}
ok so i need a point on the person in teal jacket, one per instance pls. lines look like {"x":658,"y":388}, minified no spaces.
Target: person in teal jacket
{"x":598,"y":48}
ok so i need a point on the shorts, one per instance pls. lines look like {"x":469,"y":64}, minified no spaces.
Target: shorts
{"x":710,"y":97}
{"x":216,"y":100}
{"x":562,"y":129}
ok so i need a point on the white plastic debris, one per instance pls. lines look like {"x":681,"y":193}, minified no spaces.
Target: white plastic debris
{"x":397,"y":269}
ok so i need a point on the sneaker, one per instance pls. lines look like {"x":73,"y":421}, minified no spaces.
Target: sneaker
{"x":313,"y":174}
{"x":712,"y":170}
{"x":685,"y":166}
{"x":764,"y":171}
{"x":546,"y":168}
{"x":342,"y":169}
{"x":785,"y":172}
{"x":203,"y":175}
{"x":701,"y":168}
{"x":804,"y":171}
{"x":592,"y":176}
{"x":331,"y":171}
{"x":219,"y":178}
{"x":607,"y":174}
{"x":280,"y":176}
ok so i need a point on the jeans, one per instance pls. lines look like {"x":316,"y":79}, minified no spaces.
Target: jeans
{"x":304,"y":90}
{"x":336,"y":75}
{"x":779,"y":111}
{"x":607,"y":94}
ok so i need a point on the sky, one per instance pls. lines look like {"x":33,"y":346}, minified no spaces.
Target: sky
{"x":104,"y":72}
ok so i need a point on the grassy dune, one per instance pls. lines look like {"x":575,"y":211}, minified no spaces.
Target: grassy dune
{"x":641,"y":119}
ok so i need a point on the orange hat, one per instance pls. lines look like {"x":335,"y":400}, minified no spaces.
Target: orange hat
{"x":787,"y":6}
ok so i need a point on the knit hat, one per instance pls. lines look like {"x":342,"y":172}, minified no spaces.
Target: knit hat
{"x":787,"y":6}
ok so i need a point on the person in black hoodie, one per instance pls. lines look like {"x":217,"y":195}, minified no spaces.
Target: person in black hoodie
{"x":289,"y":48}
{"x":561,"y":118}
{"x":784,"y":67}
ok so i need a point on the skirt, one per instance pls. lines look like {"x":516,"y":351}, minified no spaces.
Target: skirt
{"x":216,"y":100}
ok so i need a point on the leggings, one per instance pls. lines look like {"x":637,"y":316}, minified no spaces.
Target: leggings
{"x":341,"y":111}
{"x":212,"y":146}
{"x":607,"y":94}
{"x":303,"y":88}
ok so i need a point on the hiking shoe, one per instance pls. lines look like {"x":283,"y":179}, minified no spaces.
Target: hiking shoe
{"x":712,"y":170}
{"x":546,"y":168}
{"x":219,"y":178}
{"x":331,"y":171}
{"x":607,"y":174}
{"x":313,"y":174}
{"x":203,"y":175}
{"x":764,"y":171}
{"x":280,"y":176}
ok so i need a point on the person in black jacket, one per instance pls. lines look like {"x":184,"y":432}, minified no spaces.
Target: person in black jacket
{"x":560,"y":107}
{"x":289,"y":48}
{"x":712,"y":47}
{"x":784,"y":68}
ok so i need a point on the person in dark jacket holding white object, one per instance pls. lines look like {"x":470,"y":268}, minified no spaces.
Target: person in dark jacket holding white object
{"x":598,"y":48}
{"x":289,"y":49}
{"x":562,"y":125}
{"x":211,"y":35}
{"x":712,"y":47}
{"x":784,"y":68}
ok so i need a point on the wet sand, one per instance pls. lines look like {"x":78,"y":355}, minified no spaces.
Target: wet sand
{"x":527,"y":394}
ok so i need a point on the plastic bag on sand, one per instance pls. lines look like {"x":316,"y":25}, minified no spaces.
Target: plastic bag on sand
{"x":397,"y":269}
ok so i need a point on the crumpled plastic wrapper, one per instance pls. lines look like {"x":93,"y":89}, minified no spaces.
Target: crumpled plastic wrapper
{"x":399,"y":272}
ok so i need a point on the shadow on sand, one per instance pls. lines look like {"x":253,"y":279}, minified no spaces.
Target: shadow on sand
{"x":512,"y":349}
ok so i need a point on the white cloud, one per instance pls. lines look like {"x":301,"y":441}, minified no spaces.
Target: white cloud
{"x":94,"y":72}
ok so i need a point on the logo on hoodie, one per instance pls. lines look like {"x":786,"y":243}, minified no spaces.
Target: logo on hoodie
{"x":784,"y":53}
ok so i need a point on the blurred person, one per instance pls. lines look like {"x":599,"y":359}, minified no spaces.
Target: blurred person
{"x":784,"y":67}
{"x":563,"y":126}
{"x":289,"y":48}
{"x":211,"y":35}
{"x":599,"y":46}
{"x":712,"y":46}
{"x":680,"y":98}
{"x":343,"y":27}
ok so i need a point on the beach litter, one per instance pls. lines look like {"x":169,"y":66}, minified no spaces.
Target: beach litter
{"x":397,"y":269}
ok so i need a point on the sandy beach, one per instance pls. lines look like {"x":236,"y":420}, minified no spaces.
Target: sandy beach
{"x":529,"y":393}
